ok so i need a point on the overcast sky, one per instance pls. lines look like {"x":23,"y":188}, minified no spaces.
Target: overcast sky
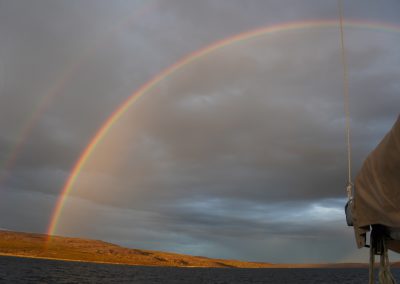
{"x":239,"y":154}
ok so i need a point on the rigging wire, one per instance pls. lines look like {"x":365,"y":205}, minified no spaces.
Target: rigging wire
{"x":346,"y":102}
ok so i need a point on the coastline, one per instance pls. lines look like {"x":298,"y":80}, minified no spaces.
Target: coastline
{"x":273,"y":266}
{"x":36,"y":246}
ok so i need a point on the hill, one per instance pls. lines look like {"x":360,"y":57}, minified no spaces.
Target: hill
{"x":76,"y":249}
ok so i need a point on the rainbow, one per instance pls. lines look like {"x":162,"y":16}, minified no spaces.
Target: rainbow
{"x":189,"y":59}
{"x":59,"y":85}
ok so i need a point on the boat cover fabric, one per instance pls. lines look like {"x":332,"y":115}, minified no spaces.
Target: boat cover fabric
{"x":377,"y":187}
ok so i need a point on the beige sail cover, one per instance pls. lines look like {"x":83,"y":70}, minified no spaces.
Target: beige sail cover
{"x":377,"y":187}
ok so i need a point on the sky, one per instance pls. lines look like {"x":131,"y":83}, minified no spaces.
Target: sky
{"x":239,"y":153}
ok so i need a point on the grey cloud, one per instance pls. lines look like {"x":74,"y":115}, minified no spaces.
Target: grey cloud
{"x":197,"y":230}
{"x":224,"y":151}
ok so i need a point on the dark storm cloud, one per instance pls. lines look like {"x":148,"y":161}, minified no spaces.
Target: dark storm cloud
{"x":240,"y":151}
{"x":249,"y":145}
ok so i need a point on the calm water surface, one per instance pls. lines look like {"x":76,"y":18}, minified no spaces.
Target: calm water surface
{"x":23,"y":270}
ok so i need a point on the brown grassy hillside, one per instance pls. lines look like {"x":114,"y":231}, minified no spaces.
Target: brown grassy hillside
{"x":34,"y":245}
{"x":74,"y":249}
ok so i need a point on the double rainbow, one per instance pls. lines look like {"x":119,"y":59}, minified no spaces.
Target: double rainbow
{"x":189,"y":59}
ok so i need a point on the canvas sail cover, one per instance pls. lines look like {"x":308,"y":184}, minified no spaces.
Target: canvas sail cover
{"x":377,"y":188}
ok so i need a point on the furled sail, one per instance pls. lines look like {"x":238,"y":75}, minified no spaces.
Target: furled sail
{"x":377,"y":191}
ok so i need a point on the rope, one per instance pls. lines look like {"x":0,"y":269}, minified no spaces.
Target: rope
{"x":371,"y":264}
{"x":385,"y":276}
{"x":379,"y":246}
{"x":346,"y":103}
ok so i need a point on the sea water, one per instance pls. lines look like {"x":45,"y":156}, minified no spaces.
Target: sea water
{"x":24,"y":270}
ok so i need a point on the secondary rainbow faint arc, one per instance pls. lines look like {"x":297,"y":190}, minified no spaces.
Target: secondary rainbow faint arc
{"x":8,"y":163}
{"x":192,"y":57}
